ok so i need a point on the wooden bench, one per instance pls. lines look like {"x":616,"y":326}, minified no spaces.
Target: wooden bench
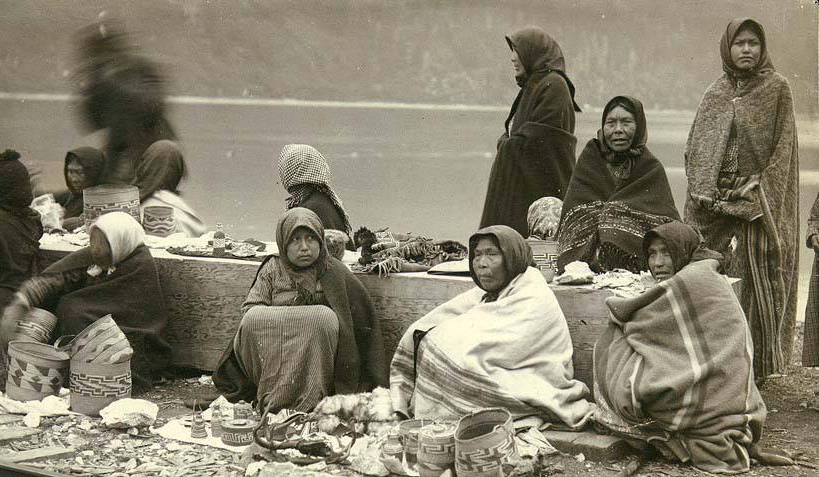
{"x":204,"y":298}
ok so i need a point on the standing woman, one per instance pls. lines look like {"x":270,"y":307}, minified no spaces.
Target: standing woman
{"x":535,"y":155}
{"x":743,"y":176}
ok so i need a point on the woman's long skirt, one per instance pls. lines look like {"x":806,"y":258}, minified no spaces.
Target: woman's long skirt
{"x":290,"y":352}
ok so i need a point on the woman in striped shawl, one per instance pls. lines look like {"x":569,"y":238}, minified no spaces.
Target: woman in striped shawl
{"x":674,"y":367}
{"x":504,"y":343}
{"x":743,"y":187}
{"x":308,"y":329}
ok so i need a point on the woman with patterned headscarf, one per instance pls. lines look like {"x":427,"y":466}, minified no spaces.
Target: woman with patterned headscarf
{"x":619,"y":191}
{"x":306,"y":176}
{"x":743,"y":178}
{"x":115,"y":275}
{"x":535,"y":154}
{"x":517,"y":353}
{"x":20,"y":227}
{"x":308,"y":328}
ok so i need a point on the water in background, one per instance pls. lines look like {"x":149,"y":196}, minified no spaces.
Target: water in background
{"x":414,"y":170}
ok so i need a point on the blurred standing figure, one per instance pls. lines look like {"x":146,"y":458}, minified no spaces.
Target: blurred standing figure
{"x":535,"y":154}
{"x":810,"y":345}
{"x":124,"y":93}
{"x":743,"y":176}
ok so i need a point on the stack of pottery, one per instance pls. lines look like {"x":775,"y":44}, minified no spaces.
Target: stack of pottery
{"x":159,"y":220}
{"x":436,"y":449}
{"x":37,"y":325}
{"x":484,"y":441}
{"x":35,"y":370}
{"x":100,"y":367}
{"x":106,"y":198}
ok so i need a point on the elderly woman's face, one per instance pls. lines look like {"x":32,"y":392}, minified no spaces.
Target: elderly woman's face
{"x":746,"y":49}
{"x":489,"y":265}
{"x":659,"y":260}
{"x":619,"y":129}
{"x":516,"y":63}
{"x":303,"y":248}
{"x":100,"y":249}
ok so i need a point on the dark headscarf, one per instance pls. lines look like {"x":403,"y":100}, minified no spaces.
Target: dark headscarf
{"x":92,"y":162}
{"x":623,"y":162}
{"x":306,"y":278}
{"x":162,"y":168}
{"x":733,"y":29}
{"x":517,"y":255}
{"x":539,"y":53}
{"x":684,"y":244}
{"x":15,"y":187}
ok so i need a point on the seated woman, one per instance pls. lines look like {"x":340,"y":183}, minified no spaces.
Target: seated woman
{"x":114,"y":275}
{"x":158,"y":175}
{"x":619,"y":191}
{"x":674,"y":368}
{"x":308,"y":329}
{"x":83,"y":169}
{"x":20,"y":227}
{"x":517,"y":353}
{"x":306,"y":176}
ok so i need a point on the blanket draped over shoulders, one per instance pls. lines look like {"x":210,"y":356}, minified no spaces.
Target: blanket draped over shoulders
{"x":674,"y":368}
{"x":598,"y":212}
{"x":517,"y":355}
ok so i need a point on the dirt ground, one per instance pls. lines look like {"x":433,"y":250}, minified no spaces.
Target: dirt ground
{"x":792,"y":427}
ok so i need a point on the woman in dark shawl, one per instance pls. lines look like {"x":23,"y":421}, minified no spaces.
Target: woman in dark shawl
{"x":308,"y":328}
{"x":160,"y":171}
{"x":810,"y":342}
{"x":83,"y":169}
{"x":535,"y":155}
{"x":743,"y":177}
{"x":619,"y":191}
{"x":504,"y":343}
{"x":674,"y":368}
{"x":114,"y":275}
{"x":20,"y":227}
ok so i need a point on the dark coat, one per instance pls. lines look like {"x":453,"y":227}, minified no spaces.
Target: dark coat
{"x":19,"y":251}
{"x":535,"y":156}
{"x":327,"y":211}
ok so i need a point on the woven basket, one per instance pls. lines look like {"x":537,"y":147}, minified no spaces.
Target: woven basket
{"x":35,"y":370}
{"x":158,"y":220}
{"x":484,"y":441}
{"x":436,"y":449}
{"x":96,"y":385}
{"x":93,"y":334}
{"x":106,"y":198}
{"x":408,"y":430}
{"x":545,"y":253}
{"x":37,"y":325}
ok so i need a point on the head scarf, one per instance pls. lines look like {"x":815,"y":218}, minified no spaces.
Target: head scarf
{"x":623,"y":162}
{"x":15,"y":187}
{"x":539,"y":53}
{"x":305,"y":279}
{"x":303,"y":170}
{"x":684,"y":244}
{"x":544,"y":217}
{"x":517,"y":255}
{"x":92,"y":162}
{"x":731,"y":31}
{"x":162,"y":167}
{"x":124,"y":234}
